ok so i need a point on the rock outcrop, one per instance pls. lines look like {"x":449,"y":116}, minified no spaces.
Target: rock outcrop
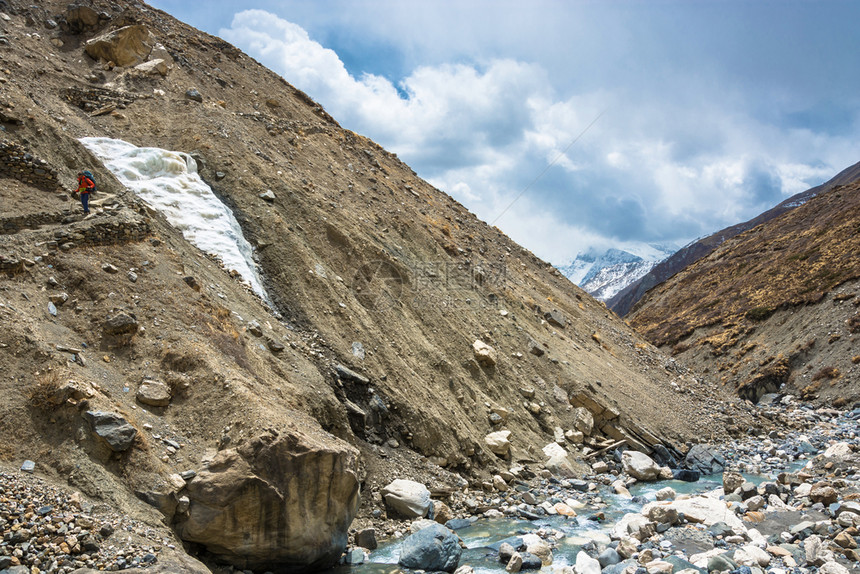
{"x":282,"y":502}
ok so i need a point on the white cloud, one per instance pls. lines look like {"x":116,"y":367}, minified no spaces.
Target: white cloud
{"x":667,"y":161}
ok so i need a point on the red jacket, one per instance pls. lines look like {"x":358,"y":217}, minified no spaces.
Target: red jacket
{"x":85,"y":184}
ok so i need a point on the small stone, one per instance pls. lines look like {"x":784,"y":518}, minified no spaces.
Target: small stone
{"x":108,"y":268}
{"x":268,"y":196}
{"x":255,"y":329}
{"x":484,"y":354}
{"x":194,"y":94}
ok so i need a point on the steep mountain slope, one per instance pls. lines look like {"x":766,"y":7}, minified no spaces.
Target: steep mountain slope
{"x":624,"y":301}
{"x":773,"y":309}
{"x":368,"y":368}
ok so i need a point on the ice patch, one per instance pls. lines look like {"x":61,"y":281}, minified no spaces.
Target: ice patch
{"x":168,"y":181}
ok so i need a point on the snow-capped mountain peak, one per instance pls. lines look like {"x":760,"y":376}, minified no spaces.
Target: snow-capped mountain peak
{"x":603,"y":274}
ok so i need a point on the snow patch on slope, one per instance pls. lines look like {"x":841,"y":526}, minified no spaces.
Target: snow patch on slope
{"x":168,"y":181}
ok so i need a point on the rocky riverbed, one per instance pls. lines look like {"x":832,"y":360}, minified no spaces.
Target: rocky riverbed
{"x":786,"y":502}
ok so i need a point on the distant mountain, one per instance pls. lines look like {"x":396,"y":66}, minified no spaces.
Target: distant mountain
{"x":627,"y":297}
{"x":603,"y":275}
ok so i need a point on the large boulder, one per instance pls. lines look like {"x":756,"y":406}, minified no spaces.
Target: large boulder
{"x":434,"y":548}
{"x":407,"y":498}
{"x":558,"y":462}
{"x":127,"y":46}
{"x":283,"y":501}
{"x":639,"y":465}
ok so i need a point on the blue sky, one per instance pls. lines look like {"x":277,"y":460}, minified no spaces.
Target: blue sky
{"x":712,"y":112}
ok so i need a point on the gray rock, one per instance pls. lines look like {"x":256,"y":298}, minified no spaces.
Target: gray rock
{"x":748,"y":490}
{"x":194,"y":94}
{"x":268,"y":196}
{"x":506,"y":552}
{"x":535,"y":348}
{"x":366,"y":538}
{"x":116,"y":432}
{"x":255,"y":329}
{"x":348,"y":374}
{"x":28,"y":466}
{"x":705,"y":459}
{"x":608,"y":557}
{"x":120,"y":324}
{"x":433,"y":548}
{"x":620,"y":567}
{"x":556,"y":318}
{"x":530,"y":561}
{"x":721,"y":563}
{"x":52,"y":309}
{"x":639,"y":465}
{"x":458,"y":523}
{"x":153,"y":393}
{"x":354,"y":556}
{"x":514,"y":563}
{"x":680,"y":564}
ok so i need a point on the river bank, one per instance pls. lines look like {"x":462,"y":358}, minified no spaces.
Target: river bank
{"x":786,"y":502}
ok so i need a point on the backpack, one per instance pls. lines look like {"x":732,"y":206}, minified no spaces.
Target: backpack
{"x":89,"y":174}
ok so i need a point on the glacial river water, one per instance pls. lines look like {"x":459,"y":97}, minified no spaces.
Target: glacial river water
{"x":578,"y":531}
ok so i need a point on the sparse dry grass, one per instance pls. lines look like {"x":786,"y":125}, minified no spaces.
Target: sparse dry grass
{"x":826,"y":373}
{"x":43,"y":395}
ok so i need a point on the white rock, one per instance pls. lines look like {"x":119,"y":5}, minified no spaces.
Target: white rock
{"x":639,"y":465}
{"x":701,"y":560}
{"x":838,"y":450}
{"x":407,"y":497}
{"x":585,"y":564}
{"x":659,"y":567}
{"x":833,"y":568}
{"x":750,"y":555}
{"x":775,"y":503}
{"x":620,"y":489}
{"x":499,"y":442}
{"x":667,"y":493}
{"x":803,"y":490}
{"x":705,"y":510}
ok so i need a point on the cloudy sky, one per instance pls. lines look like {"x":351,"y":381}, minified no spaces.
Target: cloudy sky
{"x":574,"y":125}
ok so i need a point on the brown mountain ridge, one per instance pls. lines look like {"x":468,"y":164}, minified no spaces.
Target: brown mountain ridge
{"x":773,"y":309}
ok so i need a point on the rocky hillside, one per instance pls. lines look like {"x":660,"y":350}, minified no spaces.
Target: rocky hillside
{"x":624,"y":300}
{"x":773,"y":309}
{"x":402,"y":331}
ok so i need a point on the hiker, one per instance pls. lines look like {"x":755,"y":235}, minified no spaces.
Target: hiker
{"x":86,"y":185}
